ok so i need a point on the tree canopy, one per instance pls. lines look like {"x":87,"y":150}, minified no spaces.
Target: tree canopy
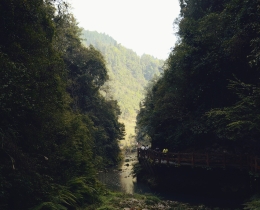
{"x":128,"y":72}
{"x":207,"y":97}
{"x":56,"y":128}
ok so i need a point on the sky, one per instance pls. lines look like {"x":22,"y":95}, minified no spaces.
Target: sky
{"x":145,"y":26}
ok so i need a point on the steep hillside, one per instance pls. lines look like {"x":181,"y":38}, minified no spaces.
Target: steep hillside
{"x":128,"y":74}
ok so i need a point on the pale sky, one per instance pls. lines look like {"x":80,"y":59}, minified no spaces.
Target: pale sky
{"x":145,"y":26}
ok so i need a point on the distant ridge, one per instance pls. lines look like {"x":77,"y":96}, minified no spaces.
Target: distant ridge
{"x":128,"y":72}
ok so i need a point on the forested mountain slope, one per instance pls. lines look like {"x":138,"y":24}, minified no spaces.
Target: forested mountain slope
{"x":56,"y":128}
{"x":208,"y":97}
{"x":128,"y":72}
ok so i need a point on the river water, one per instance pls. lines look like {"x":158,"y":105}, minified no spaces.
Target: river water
{"x":120,"y":179}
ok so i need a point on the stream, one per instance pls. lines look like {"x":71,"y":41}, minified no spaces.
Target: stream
{"x":120,"y":179}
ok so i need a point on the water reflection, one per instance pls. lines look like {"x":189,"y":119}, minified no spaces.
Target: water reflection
{"x":121,"y":179}
{"x":126,"y":178}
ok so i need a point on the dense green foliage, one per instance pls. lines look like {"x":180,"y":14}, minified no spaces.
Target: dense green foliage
{"x":56,"y":128}
{"x":208,"y":96}
{"x":127,"y":71}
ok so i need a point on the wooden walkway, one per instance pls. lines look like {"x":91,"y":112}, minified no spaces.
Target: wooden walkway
{"x":207,"y":160}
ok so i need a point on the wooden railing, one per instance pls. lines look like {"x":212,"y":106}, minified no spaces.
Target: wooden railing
{"x":209,"y":160}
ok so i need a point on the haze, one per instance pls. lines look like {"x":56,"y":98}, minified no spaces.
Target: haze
{"x":145,"y":26}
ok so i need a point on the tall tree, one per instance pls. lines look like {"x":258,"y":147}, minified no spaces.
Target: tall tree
{"x":218,"y":45}
{"x":48,"y":134}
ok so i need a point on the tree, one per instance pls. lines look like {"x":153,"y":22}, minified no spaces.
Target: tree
{"x":48,"y":135}
{"x":218,"y":43}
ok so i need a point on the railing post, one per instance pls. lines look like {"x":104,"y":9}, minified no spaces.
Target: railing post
{"x":167,"y":158}
{"x":224,"y":160}
{"x":241,"y":161}
{"x":141,"y":153}
{"x":192,"y":160}
{"x":255,"y":164}
{"x":251,"y":163}
{"x":207,"y":159}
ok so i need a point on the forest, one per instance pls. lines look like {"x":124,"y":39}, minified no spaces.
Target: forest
{"x":207,"y":99}
{"x":60,"y":115}
{"x":128,"y":73}
{"x":56,"y":127}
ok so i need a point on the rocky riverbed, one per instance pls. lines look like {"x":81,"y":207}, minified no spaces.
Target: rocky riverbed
{"x":122,"y":201}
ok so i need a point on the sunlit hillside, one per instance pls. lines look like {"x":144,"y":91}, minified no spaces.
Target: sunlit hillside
{"x":128,"y":75}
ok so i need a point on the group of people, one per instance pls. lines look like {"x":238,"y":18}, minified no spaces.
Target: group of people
{"x":165,"y":151}
{"x":144,"y":147}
